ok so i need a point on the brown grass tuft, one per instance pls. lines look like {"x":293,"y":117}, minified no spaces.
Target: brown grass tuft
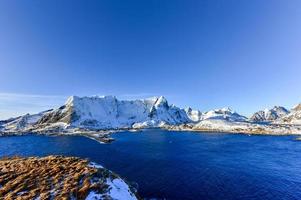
{"x":52,"y":177}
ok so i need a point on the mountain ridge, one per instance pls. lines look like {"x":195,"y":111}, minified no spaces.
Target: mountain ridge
{"x":268,"y":115}
{"x":109,"y":113}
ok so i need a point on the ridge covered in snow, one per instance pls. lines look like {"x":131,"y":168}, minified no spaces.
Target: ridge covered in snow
{"x":102,"y":114}
{"x":22,"y":122}
{"x":268,"y":115}
{"x":294,"y":117}
{"x":110,"y":113}
{"x":224,"y":114}
{"x":194,"y":115}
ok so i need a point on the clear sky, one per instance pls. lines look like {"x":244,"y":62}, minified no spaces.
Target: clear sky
{"x":204,"y":53}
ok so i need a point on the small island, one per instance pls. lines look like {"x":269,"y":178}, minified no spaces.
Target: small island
{"x":58,"y":177}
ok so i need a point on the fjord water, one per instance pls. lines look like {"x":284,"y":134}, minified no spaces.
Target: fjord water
{"x":184,"y":165}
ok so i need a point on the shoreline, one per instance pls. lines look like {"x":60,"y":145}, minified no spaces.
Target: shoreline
{"x":235,"y":132}
{"x":104,"y":136}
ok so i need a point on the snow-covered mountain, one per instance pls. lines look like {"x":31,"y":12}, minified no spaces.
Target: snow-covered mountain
{"x":22,"y":122}
{"x":294,"y":117}
{"x":269,"y":115}
{"x":194,"y":115}
{"x":100,"y":115}
{"x":110,"y":113}
{"x":223,"y":114}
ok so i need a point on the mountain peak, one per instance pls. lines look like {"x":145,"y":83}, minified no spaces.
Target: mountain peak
{"x":108,"y":112}
{"x":193,"y":115}
{"x":71,"y":99}
{"x":223,"y":113}
{"x":161,"y":101}
{"x":227,"y":109}
{"x":269,"y":114}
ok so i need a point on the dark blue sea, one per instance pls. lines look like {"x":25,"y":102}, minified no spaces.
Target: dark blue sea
{"x":185,"y":165}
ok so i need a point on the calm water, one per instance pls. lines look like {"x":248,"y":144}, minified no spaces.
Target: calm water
{"x":177,"y":165}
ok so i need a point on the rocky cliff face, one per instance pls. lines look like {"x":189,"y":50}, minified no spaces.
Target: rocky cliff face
{"x":194,"y":115}
{"x":22,"y":122}
{"x":109,"y":113}
{"x":223,"y":114}
{"x":87,"y":115}
{"x":269,"y":115}
{"x":294,"y":117}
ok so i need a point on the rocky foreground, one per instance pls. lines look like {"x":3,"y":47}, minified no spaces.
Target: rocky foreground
{"x":59,"y":178}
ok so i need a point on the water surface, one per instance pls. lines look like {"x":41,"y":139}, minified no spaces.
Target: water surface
{"x":185,"y":165}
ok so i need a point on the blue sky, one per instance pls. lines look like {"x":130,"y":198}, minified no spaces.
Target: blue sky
{"x":206,"y":54}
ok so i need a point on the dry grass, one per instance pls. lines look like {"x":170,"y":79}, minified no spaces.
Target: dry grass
{"x":52,"y":177}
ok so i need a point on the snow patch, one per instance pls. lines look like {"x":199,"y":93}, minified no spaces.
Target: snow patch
{"x":95,"y":165}
{"x":94,"y":196}
{"x":119,"y":190}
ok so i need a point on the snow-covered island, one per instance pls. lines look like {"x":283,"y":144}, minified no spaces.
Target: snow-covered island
{"x":97,"y":117}
{"x":58,"y":177}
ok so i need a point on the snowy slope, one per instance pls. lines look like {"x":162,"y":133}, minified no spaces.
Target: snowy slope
{"x":89,"y":114}
{"x":23,"y":122}
{"x":194,"y":115}
{"x":223,"y":114}
{"x":294,"y":117}
{"x":110,"y":113}
{"x":219,"y":125}
{"x":118,"y":189}
{"x":269,"y":114}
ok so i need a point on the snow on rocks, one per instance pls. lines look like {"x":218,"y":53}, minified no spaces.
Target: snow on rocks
{"x":269,"y":115}
{"x":194,"y":115}
{"x":119,"y":190}
{"x":23,"y":122}
{"x":294,"y":117}
{"x":224,"y":114}
{"x":59,"y":177}
{"x":219,"y":125}
{"x":110,"y":113}
{"x":96,"y":117}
